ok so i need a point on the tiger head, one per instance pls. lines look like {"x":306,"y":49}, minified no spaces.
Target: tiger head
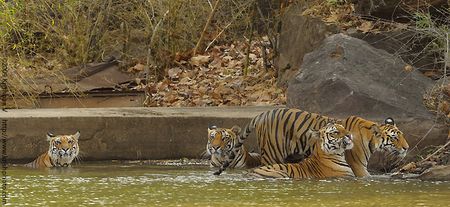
{"x":332,"y":138}
{"x":63,"y":148}
{"x":393,"y":139}
{"x":221,"y":140}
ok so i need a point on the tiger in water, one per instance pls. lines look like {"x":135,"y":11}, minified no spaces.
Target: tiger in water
{"x":220,"y":146}
{"x":281,"y":135}
{"x":63,"y":149}
{"x":327,"y":158}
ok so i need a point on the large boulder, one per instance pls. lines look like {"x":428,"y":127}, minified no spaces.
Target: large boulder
{"x":348,"y":76}
{"x":405,"y":44}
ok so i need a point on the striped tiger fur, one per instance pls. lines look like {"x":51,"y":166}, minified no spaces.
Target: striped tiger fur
{"x":281,"y":136}
{"x":220,"y":146}
{"x":63,"y":149}
{"x":282,"y":133}
{"x":369,"y":137}
{"x":327,"y":158}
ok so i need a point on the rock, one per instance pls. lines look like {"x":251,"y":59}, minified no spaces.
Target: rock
{"x":347,"y":76}
{"x":397,"y":9}
{"x":299,"y":35}
{"x":440,"y":172}
{"x":404,"y":44}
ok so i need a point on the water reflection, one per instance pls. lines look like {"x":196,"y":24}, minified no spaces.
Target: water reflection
{"x":135,"y":185}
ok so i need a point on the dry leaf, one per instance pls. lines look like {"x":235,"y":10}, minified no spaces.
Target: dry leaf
{"x":199,"y":60}
{"x":223,"y":90}
{"x":174,"y":72}
{"x":365,"y":27}
{"x":137,"y":68}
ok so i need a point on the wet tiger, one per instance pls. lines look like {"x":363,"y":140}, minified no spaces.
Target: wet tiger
{"x":281,"y":136}
{"x":220,"y":146}
{"x":63,"y":149}
{"x":369,"y":137}
{"x":327,"y":158}
{"x":281,"y":133}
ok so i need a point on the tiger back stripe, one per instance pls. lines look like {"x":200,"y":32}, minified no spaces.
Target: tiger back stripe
{"x":365,"y":144}
{"x":281,"y":133}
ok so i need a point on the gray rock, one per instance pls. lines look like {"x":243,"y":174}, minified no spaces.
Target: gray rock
{"x":440,"y":172}
{"x":404,"y":44}
{"x":347,"y":76}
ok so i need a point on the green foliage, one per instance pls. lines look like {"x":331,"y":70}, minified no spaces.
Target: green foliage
{"x":423,"y":20}
{"x":436,"y":30}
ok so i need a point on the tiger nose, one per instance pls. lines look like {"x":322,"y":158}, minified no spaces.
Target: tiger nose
{"x":216,"y":147}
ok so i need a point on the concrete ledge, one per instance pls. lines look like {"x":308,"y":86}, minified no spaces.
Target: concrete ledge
{"x":121,"y":133}
{"x":156,"y":133}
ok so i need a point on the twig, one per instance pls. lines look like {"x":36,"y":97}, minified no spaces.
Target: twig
{"x":217,"y":36}
{"x":434,"y":153}
{"x":208,"y":22}
{"x":247,"y":57}
{"x":226,"y":27}
{"x":150,"y":60}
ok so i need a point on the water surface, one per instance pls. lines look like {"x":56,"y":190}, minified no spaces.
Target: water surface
{"x":152,"y":185}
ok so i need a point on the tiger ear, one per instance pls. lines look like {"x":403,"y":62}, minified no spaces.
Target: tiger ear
{"x":332,"y":121}
{"x":338,"y":121}
{"x":50,"y":136}
{"x":236,"y":129}
{"x":375,"y":129}
{"x":390,"y":121}
{"x":211,"y":127}
{"x":76,"y":135}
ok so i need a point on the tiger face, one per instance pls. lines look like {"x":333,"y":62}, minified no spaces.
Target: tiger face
{"x":63,"y":148}
{"x":221,"y":140}
{"x":335,"y":139}
{"x":393,"y":139}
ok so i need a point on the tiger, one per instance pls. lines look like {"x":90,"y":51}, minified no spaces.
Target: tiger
{"x":281,"y":133}
{"x":63,"y":149}
{"x":281,"y":137}
{"x":327,"y":159}
{"x":370,"y":137}
{"x":220,"y":146}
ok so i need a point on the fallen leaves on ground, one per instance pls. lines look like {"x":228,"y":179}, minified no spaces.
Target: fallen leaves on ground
{"x":342,"y":15}
{"x":216,"y":79}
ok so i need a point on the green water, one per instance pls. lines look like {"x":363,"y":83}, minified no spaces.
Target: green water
{"x":135,"y":185}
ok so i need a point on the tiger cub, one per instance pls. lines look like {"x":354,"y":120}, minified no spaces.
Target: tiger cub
{"x":220,"y":146}
{"x":63,"y":149}
{"x":327,"y":158}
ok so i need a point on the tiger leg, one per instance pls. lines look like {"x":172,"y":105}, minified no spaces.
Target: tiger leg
{"x":272,"y":171}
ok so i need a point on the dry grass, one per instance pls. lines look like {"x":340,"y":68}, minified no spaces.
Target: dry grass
{"x":40,"y":38}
